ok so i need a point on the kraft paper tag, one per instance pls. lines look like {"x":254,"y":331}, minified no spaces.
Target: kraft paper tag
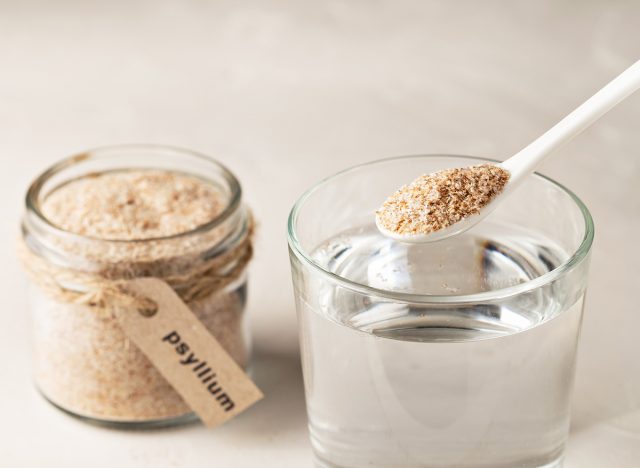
{"x":185,"y":353}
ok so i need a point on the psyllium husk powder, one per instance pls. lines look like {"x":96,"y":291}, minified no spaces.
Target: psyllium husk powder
{"x":88,"y":231}
{"x":438,"y":200}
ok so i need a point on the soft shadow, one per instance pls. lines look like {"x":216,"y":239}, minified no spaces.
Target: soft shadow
{"x":279,"y":376}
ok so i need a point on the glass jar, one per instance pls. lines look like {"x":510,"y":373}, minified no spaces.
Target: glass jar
{"x":459,"y":352}
{"x":83,"y":362}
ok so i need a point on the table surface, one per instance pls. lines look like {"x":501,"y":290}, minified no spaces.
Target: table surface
{"x":286,"y":93}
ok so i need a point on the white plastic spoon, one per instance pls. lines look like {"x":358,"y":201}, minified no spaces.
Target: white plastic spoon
{"x":524,"y":162}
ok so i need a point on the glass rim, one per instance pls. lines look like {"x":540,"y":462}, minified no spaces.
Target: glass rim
{"x":32,"y":203}
{"x":498,"y":294}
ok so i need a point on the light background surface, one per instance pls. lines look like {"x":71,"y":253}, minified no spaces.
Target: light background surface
{"x":286,"y":93}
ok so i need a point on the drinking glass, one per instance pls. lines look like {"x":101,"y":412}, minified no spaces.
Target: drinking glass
{"x":458,"y":353}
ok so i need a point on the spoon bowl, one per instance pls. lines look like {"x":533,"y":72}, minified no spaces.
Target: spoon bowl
{"x":435,"y":236}
{"x":453,"y":230}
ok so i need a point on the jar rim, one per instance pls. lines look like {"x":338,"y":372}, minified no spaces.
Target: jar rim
{"x":35,"y":213}
{"x":580,"y":253}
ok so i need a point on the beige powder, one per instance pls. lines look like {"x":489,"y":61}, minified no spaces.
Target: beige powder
{"x":133,"y":205}
{"x":436,"y":201}
{"x":83,"y":361}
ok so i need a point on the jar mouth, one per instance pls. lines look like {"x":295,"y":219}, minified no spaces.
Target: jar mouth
{"x":573,"y":260}
{"x":158,"y":156}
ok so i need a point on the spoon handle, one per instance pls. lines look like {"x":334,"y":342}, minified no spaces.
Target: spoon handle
{"x":526,"y":160}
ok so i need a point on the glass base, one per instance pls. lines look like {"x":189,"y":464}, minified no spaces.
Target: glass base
{"x":184,"y":419}
{"x":319,"y":462}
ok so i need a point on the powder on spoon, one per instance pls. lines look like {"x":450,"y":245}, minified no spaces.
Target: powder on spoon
{"x":438,"y":200}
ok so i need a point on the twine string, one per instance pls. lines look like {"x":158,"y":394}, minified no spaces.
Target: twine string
{"x":94,"y":289}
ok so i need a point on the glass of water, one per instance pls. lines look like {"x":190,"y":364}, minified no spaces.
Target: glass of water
{"x":459,"y":353}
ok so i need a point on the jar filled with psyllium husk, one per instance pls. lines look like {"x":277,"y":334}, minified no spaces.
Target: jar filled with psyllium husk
{"x":107,"y":216}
